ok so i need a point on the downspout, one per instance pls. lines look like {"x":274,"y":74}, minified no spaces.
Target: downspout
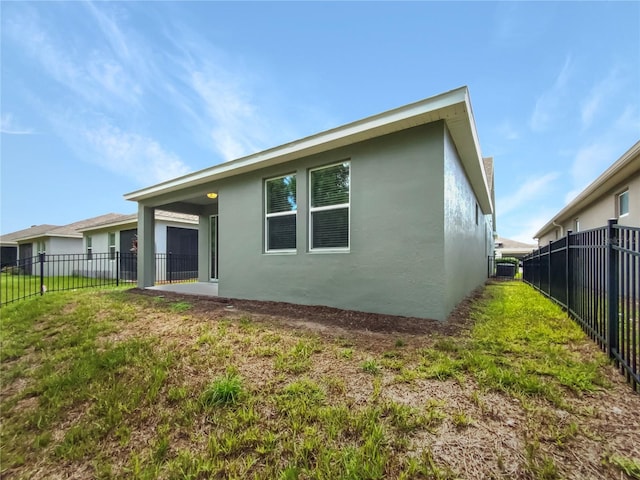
{"x":553,"y":222}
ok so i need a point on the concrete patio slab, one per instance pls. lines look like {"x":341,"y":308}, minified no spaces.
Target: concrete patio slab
{"x":194,"y":288}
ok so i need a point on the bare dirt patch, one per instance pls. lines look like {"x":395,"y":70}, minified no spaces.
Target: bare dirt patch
{"x":377,"y":330}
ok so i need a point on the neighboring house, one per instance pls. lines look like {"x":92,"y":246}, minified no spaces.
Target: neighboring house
{"x":505,"y":247}
{"x":614,"y":194}
{"x":53,"y":240}
{"x":9,"y":242}
{"x":390,"y":214}
{"x":70,"y":248}
{"x":175,"y":233}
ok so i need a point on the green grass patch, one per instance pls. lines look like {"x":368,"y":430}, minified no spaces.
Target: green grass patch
{"x":92,"y":382}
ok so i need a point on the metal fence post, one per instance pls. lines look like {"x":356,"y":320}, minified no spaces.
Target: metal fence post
{"x":169,"y":269}
{"x":568,"y":272}
{"x":549,"y":270}
{"x":612,"y":288}
{"x":117,"y":269}
{"x":41,"y":257}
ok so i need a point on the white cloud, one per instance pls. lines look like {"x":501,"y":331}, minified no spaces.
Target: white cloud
{"x":237,"y":128}
{"x":532,"y":188}
{"x":589,"y":162}
{"x":94,"y":74}
{"x":548,"y":105}
{"x":592,"y":159}
{"x":599,"y":95}
{"x":507,"y":131}
{"x":133,"y":155}
{"x":9,"y":126}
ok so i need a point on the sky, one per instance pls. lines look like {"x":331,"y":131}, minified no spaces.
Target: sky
{"x":102,"y":99}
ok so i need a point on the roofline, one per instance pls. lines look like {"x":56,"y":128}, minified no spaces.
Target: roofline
{"x":607,"y":180}
{"x":49,"y":235}
{"x":120,"y":223}
{"x":134,"y":221}
{"x":410,"y":115}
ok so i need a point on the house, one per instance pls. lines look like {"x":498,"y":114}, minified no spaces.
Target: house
{"x":614,"y":194}
{"x":391,"y":214}
{"x":9,"y":242}
{"x":52,"y":240}
{"x":505,"y":247}
{"x":175,"y":233}
{"x":70,"y":248}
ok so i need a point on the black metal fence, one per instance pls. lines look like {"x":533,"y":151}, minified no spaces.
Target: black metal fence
{"x":595,"y":276}
{"x":43,"y":273}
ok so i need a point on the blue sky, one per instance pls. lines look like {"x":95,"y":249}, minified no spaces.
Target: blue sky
{"x":100,"y":99}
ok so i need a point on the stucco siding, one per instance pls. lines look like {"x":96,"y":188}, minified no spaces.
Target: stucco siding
{"x":64,"y":245}
{"x":395,"y":262}
{"x":466,"y":231}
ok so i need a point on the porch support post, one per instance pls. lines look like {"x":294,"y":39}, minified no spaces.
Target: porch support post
{"x":146,"y":247}
{"x":204,"y":247}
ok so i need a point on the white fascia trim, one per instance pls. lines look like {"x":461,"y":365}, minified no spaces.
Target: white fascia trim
{"x":109,"y":226}
{"x":411,"y":115}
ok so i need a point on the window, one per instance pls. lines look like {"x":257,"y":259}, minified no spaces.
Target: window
{"x":89,"y":248}
{"x":329,"y":203}
{"x":112,"y":246}
{"x":42,"y":248}
{"x":623,"y":203}
{"x":576,"y":225}
{"x":280,"y":213}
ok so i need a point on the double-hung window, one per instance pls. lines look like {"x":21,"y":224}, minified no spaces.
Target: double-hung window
{"x":112,"y":246}
{"x":623,"y":203}
{"x":89,"y":248}
{"x":280,"y":214}
{"x":329,"y":204}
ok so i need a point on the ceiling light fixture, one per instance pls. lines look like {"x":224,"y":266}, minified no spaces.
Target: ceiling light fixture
{"x":212,"y":195}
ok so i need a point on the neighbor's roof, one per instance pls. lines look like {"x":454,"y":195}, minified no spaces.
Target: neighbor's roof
{"x":454,"y":107}
{"x":621,"y":170}
{"x":507,"y":243}
{"x":133,"y":220}
{"x":71,"y":230}
{"x":33,"y":231}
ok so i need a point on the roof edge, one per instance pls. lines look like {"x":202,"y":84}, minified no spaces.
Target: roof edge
{"x":606,"y":179}
{"x":320,"y":141}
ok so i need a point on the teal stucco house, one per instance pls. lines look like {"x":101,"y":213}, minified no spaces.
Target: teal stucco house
{"x":390,"y":214}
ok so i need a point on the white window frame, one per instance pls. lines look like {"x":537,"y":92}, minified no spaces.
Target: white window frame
{"x":112,"y":246}
{"x":41,"y":246}
{"x":89,"y":248}
{"x":576,"y":225}
{"x":267,"y":216}
{"x":329,"y":207}
{"x":618,"y":198}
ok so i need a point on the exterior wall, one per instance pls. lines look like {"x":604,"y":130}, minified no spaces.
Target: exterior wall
{"x":468,"y":233}
{"x":57,"y":245}
{"x":601,"y":210}
{"x":395,"y":264}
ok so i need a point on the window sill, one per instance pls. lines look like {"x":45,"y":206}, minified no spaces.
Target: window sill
{"x":330,"y":250}
{"x":281,"y":252}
